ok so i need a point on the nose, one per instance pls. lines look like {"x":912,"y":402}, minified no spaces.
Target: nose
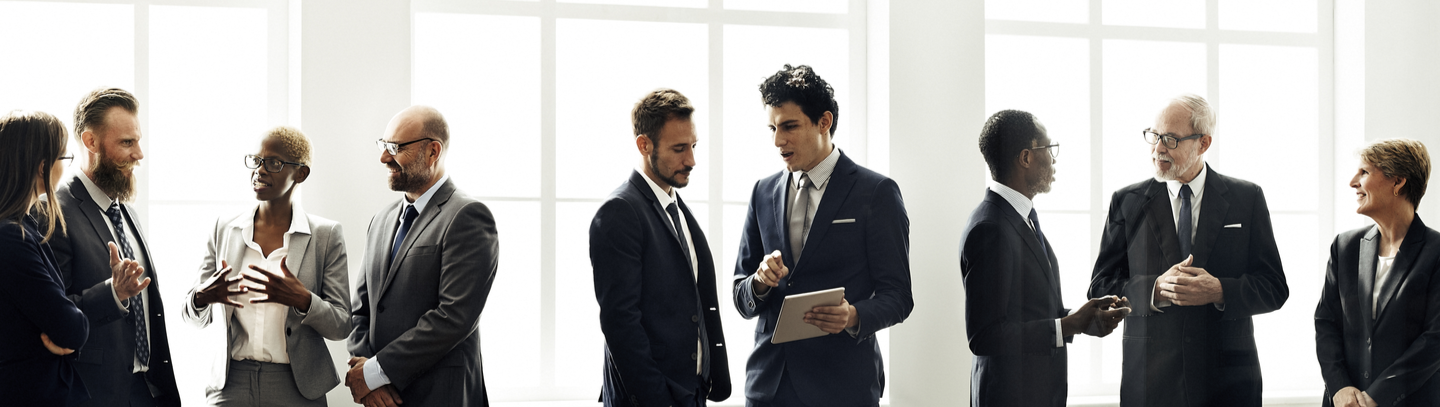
{"x":385,"y":157}
{"x":139,"y":155}
{"x":1355,"y":181}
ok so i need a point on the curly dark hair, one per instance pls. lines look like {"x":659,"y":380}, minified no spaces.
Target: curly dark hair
{"x":1005,"y":135}
{"x":801,"y":85}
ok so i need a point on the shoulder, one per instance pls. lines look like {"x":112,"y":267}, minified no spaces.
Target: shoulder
{"x":1236,"y":185}
{"x":15,"y":238}
{"x":1136,"y":189}
{"x":322,"y":223}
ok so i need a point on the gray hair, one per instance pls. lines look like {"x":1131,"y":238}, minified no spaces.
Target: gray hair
{"x":1202,"y":117}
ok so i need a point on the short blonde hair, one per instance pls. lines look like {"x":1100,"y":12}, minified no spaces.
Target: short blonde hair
{"x":1401,"y":158}
{"x":293,"y":143}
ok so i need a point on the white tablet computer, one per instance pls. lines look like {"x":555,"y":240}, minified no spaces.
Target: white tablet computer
{"x":792,"y":326}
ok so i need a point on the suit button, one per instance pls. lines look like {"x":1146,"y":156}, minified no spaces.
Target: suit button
{"x":380,"y":308}
{"x":694,"y":318}
{"x":694,"y":356}
{"x":751,"y":304}
{"x":789,"y":284}
{"x":1366,"y":374}
{"x":287,"y":331}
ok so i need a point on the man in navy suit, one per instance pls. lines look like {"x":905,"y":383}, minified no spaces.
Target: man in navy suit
{"x":1014,"y":317}
{"x":654,"y":277}
{"x":823,"y":222}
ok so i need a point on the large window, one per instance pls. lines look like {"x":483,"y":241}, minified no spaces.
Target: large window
{"x":1096,"y":73}
{"x":538,"y":95}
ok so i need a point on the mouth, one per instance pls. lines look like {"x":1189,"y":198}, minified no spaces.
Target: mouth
{"x":786,"y":155}
{"x":259,"y":185}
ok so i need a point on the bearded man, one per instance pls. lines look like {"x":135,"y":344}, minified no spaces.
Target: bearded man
{"x":1195,"y":251}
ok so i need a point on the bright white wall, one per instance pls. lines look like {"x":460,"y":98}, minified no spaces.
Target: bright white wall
{"x":1402,"y":88}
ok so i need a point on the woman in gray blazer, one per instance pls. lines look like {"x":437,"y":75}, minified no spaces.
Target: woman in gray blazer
{"x":276,"y":278}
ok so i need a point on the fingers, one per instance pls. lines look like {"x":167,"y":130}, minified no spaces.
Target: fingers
{"x":114,"y":253}
{"x":1188,"y":261}
{"x":285,"y":270}
{"x":267,"y":273}
{"x":356,"y":359}
{"x":143,"y":284}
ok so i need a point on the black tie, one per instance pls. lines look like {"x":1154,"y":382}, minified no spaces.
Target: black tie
{"x":1035,"y":221}
{"x":1184,"y":228}
{"x":674,"y":212}
{"x":410,"y":215}
{"x":699,"y":319}
{"x":136,"y":305}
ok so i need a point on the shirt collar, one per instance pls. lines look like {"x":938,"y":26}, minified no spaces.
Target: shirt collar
{"x":821,"y":173}
{"x":96,"y":194}
{"x":660,"y":195}
{"x":298,"y":222}
{"x":1016,"y":199}
{"x":1197,"y":185}
{"x":424,"y":201}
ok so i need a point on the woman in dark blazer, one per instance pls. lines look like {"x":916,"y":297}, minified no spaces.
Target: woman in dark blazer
{"x":1377,"y":328}
{"x":38,"y":323}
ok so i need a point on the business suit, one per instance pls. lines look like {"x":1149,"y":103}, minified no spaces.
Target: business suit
{"x":1012,"y":299}
{"x":1191,"y":355}
{"x":653,"y":309}
{"x":106,"y":362}
{"x":1392,"y":355}
{"x":419,"y":316}
{"x":32,"y":302}
{"x":316,"y":256}
{"x":859,"y":240}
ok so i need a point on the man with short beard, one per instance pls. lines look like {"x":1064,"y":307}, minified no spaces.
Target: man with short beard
{"x":430,"y":261}
{"x":1195,"y":251}
{"x":654,"y":276}
{"x":126,"y":361}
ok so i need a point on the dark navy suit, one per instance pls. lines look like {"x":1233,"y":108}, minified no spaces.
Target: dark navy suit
{"x":867,"y":253}
{"x":653,"y":309}
{"x":33,"y":301}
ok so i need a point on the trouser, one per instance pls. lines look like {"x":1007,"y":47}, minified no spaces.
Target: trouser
{"x":256,"y":384}
{"x":140,"y":394}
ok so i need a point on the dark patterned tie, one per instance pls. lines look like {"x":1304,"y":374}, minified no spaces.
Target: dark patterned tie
{"x":410,"y":215}
{"x":1184,"y":228}
{"x":136,"y":304}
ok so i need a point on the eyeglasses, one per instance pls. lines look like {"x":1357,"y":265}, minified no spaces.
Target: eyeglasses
{"x":1054,"y":149}
{"x":1170,"y":139}
{"x":271,"y":164}
{"x":67,"y":159}
{"x":394,"y":149}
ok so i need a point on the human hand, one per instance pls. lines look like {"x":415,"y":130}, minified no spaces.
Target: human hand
{"x":1082,"y":318}
{"x":125,"y":275}
{"x":355,"y":379}
{"x":217,"y":289}
{"x":833,"y":319}
{"x":1347,"y":397}
{"x":1109,"y":317}
{"x":385,"y":396}
{"x":281,"y":288}
{"x":1191,"y":286}
{"x":52,"y":347}
{"x":771,"y":270}
{"x":1366,"y":401}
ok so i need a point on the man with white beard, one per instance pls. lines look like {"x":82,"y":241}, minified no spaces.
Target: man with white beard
{"x":1195,"y":252}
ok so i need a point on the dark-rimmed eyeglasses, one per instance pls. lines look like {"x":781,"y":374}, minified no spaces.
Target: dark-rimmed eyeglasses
{"x":271,"y":164}
{"x":1053,"y":149}
{"x":1171,"y":140}
{"x":393,"y":148}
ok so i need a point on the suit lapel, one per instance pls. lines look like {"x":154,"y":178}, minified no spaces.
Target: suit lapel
{"x":432,"y":211}
{"x":1212,"y":218}
{"x":91,"y":210}
{"x":1404,"y":261}
{"x":836,"y":190}
{"x":295,"y":256}
{"x":1161,"y":218}
{"x":1369,"y":248}
{"x":1018,"y":223}
{"x":781,"y":221}
{"x":380,"y":250}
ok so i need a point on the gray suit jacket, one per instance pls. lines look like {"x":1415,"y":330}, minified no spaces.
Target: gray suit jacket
{"x":318,"y":260}
{"x":420,"y":316}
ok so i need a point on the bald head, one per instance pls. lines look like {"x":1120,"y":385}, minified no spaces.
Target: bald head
{"x":418,"y":122}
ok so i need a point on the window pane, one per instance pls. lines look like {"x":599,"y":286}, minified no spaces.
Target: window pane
{"x":656,"y":3}
{"x":579,"y":343}
{"x":214,"y":55}
{"x":1049,"y":11}
{"x":1268,"y":112}
{"x":62,"y":42}
{"x":751,"y":56}
{"x":1147,"y":13}
{"x":1268,"y":15}
{"x":800,"y":6}
{"x":1140,"y":77}
{"x":602,"y":69}
{"x":1050,"y":78}
{"x":510,"y":325}
{"x":483,"y":73}
{"x":1287,"y":357}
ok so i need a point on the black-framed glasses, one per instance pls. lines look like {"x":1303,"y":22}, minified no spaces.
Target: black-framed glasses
{"x":1053,"y":149}
{"x":1170,"y":139}
{"x":393,"y":148}
{"x":68,"y":158}
{"x":271,"y":164}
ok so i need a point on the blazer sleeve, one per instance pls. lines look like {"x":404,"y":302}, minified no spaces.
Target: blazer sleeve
{"x":616,"y":251}
{"x":329,"y":312}
{"x":358,"y":344}
{"x":1330,"y":330}
{"x":468,"y":262}
{"x":1261,"y":287}
{"x":887,"y":242}
{"x":752,"y":251}
{"x":36,"y":294}
{"x":96,"y":301}
{"x":201,"y":317}
{"x":1112,"y":274}
{"x":990,"y":271}
{"x":1420,"y":360}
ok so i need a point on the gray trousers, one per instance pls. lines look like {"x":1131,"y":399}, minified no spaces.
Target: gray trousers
{"x":256,"y":384}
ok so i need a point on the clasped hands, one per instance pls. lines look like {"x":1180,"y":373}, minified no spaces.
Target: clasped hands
{"x":281,"y":288}
{"x":1098,"y":317}
{"x":1185,"y":285}
{"x":383,"y":396}
{"x":833,"y":319}
{"x":1352,"y":397}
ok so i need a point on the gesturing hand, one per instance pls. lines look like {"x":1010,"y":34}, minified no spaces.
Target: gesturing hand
{"x":52,"y":347}
{"x":281,"y":288}
{"x":771,"y":270}
{"x":1082,"y":318}
{"x":125,"y":275}
{"x":217,"y":289}
{"x":833,"y":319}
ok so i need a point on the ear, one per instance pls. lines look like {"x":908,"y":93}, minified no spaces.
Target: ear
{"x":1026,"y":158}
{"x":92,"y":144}
{"x":1204,"y":143}
{"x":1399,"y":184}
{"x":434,"y":149}
{"x":302,"y":174}
{"x":826,"y":120}
{"x":642,"y":143}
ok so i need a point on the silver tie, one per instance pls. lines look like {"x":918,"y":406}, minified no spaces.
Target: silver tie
{"x":800,"y":217}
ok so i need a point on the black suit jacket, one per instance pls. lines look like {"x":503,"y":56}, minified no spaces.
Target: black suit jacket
{"x":1012,"y":298}
{"x":1191,"y":356}
{"x":1394,"y":355}
{"x":32,"y":301}
{"x":108,"y":358}
{"x":652,"y":308}
{"x":860,"y":240}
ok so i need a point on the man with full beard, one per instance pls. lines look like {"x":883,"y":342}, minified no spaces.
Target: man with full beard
{"x":1195,"y":251}
{"x":126,"y":361}
{"x":430,"y":260}
{"x":654,"y":276}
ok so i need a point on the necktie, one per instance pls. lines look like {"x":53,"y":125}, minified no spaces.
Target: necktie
{"x":700,"y":351}
{"x":799,"y":217}
{"x":674,"y":211}
{"x":1183,"y":227}
{"x":136,"y":305}
{"x":1040,"y":236}
{"x":410,"y":215}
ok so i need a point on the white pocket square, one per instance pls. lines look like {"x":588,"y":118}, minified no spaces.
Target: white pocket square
{"x":1233,"y":226}
{"x":843,"y":221}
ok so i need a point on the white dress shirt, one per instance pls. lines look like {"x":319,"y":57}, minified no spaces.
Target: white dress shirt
{"x":133,"y":239}
{"x":262,"y":325}
{"x":1197,"y":190}
{"x":1023,"y":206}
{"x":665,"y":200}
{"x":1383,"y":265}
{"x":374,"y":374}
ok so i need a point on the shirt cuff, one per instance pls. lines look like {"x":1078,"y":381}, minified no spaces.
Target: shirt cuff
{"x":854,"y":331}
{"x":1156,"y":305}
{"x":374,"y":374}
{"x":1059,"y":334}
{"x":110,"y":282}
{"x":758,"y":295}
{"x":314,"y":299}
